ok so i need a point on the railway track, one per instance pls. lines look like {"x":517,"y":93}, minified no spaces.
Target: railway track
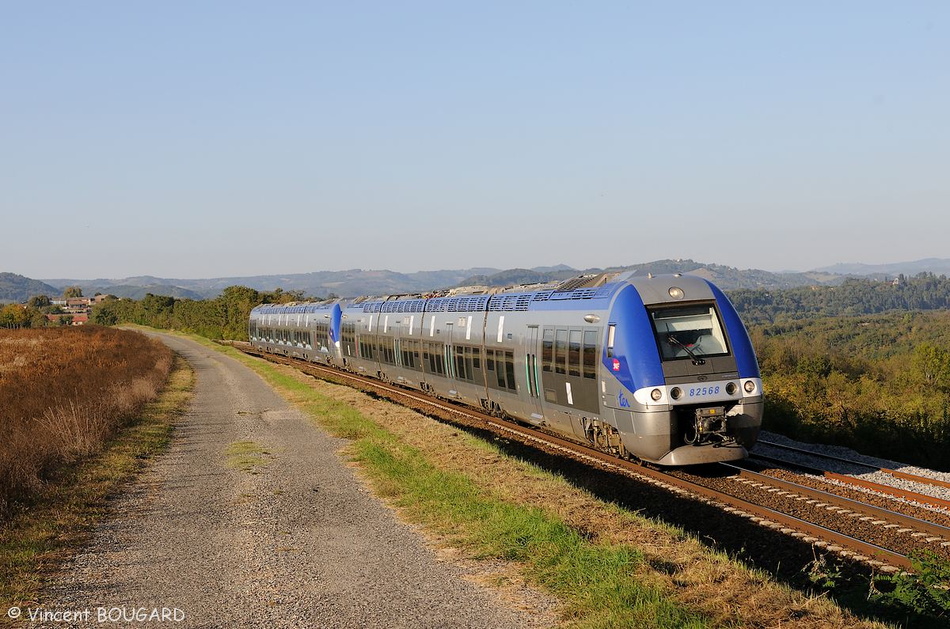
{"x":924,"y":480}
{"x":854,"y":529}
{"x":859,"y":519}
{"x":918,"y":496}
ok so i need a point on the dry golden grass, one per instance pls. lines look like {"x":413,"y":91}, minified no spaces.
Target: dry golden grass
{"x":64,"y":393}
{"x":35,"y":542}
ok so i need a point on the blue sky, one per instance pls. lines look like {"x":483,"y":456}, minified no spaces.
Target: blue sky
{"x":208,"y":139}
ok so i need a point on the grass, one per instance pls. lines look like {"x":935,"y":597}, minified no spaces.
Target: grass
{"x":65,"y":392}
{"x":36,"y":537}
{"x":247,"y":456}
{"x":596,"y":580}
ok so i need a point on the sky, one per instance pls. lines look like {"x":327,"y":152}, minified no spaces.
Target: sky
{"x":227,"y":139}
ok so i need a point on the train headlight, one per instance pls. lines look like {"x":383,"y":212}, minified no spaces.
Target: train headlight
{"x":749,"y":386}
{"x":656,"y":394}
{"x":731,"y":388}
{"x":676,"y":292}
{"x":676,"y":393}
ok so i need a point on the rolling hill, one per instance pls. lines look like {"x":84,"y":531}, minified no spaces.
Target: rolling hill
{"x":353,"y":282}
{"x":17,"y":288}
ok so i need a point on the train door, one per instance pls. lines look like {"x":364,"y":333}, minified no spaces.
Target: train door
{"x":532,"y":374}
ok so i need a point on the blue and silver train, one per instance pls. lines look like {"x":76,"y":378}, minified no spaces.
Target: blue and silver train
{"x":655,"y":367}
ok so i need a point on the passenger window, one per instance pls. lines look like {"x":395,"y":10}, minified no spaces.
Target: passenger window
{"x":590,"y":354}
{"x":574,"y":354}
{"x":469,"y":363}
{"x":510,"y":370}
{"x":560,"y":352}
{"x":547,"y":351}
{"x":460,"y":363}
{"x":440,"y":360}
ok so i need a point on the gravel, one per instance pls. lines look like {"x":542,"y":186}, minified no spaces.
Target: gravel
{"x":872,"y":475}
{"x":298,"y":542}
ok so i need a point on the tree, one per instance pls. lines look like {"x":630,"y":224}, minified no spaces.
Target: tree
{"x":235,"y":305}
{"x":104,"y":315}
{"x":14,"y":316}
{"x":72,"y":291}
{"x":157,"y":310}
{"x":38,"y":301}
{"x":932,"y":364}
{"x":113,"y":311}
{"x":39,"y":320}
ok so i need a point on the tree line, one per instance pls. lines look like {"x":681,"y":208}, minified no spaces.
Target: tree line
{"x":224,"y":317}
{"x":855,"y":296}
{"x":865,"y":364}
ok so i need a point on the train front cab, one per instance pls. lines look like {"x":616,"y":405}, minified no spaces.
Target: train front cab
{"x":685,"y":386}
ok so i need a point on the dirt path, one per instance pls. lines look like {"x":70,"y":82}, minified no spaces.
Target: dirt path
{"x":252,"y":520}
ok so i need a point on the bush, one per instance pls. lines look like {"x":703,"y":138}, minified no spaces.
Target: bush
{"x":925,"y":594}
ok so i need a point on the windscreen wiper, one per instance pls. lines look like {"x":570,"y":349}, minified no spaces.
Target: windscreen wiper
{"x":672,"y":340}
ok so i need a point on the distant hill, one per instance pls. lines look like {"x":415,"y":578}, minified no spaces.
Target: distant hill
{"x":355,"y":282}
{"x":18,"y":289}
{"x":937,"y":266}
{"x":513,"y":277}
{"x":349,"y":283}
{"x":726,"y":277}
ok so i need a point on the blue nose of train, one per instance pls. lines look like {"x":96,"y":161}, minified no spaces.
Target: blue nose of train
{"x":336,"y":317}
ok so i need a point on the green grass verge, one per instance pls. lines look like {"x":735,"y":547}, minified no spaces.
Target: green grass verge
{"x":37,"y":537}
{"x":596,"y":581}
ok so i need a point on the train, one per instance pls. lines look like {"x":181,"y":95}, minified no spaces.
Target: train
{"x":653,"y":367}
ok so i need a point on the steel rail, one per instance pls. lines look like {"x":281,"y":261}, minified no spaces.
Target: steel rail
{"x":889,"y":490}
{"x":923,"y":480}
{"x":824,"y":498}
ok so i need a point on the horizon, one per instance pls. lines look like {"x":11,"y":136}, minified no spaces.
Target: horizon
{"x":703,"y":263}
{"x":237,"y":140}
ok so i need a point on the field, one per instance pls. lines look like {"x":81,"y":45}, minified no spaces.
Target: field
{"x":65,"y":392}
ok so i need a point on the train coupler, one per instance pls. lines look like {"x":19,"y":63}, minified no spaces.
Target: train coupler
{"x":709,"y":426}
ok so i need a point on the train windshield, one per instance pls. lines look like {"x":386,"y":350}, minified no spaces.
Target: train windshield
{"x":688,"y":332}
